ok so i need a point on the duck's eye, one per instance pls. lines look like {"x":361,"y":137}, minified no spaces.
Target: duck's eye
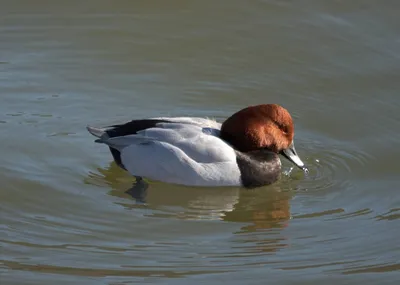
{"x":282,"y":127}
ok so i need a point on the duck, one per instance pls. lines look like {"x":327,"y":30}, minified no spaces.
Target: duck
{"x":192,"y":151}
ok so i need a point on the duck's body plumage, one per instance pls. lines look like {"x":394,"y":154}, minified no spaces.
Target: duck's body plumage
{"x":188,"y":151}
{"x":174,"y":150}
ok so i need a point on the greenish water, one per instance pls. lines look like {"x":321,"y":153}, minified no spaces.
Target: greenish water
{"x":65,"y":215}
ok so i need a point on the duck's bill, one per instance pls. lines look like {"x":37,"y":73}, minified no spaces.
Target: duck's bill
{"x":291,"y":154}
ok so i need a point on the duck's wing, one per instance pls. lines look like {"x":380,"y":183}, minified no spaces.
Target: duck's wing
{"x":135,"y":126}
{"x":177,"y":131}
{"x":178,"y":151}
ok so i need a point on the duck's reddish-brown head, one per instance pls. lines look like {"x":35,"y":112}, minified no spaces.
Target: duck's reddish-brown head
{"x":256,"y":127}
{"x":267,"y":126}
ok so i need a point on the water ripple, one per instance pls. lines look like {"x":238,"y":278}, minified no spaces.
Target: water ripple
{"x":331,"y":167}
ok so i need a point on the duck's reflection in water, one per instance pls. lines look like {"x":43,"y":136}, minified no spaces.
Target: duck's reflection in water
{"x":261,"y":209}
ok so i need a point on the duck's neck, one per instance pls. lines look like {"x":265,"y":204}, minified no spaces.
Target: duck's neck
{"x":258,"y":168}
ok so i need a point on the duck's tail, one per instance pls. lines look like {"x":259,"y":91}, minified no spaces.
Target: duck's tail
{"x":100,"y":133}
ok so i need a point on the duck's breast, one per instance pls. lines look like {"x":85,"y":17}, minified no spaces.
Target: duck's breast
{"x":258,"y":168}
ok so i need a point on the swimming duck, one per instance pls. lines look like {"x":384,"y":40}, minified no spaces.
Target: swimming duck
{"x":242,"y":151}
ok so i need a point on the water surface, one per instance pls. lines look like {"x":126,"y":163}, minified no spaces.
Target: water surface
{"x":66,"y":217}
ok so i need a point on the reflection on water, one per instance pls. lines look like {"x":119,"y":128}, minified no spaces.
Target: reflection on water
{"x":259,"y":210}
{"x":263,"y":208}
{"x":267,"y":209}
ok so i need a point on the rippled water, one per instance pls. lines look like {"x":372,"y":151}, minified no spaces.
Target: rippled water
{"x":67,"y":214}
